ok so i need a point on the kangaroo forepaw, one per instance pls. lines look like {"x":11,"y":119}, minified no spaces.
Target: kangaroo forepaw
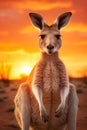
{"x":44,"y":116}
{"x":59,"y":110}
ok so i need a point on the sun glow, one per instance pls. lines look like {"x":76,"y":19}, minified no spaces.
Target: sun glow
{"x":25,"y":70}
{"x":22,"y":63}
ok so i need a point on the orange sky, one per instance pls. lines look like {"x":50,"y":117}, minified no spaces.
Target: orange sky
{"x":19,"y":39}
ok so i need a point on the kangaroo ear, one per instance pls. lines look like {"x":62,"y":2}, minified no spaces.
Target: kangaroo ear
{"x":37,"y":20}
{"x":63,"y":20}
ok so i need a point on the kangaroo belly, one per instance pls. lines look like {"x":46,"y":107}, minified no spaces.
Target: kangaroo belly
{"x":51,"y":100}
{"x":51,"y":96}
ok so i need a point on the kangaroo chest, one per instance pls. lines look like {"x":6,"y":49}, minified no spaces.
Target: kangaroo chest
{"x":50,"y":77}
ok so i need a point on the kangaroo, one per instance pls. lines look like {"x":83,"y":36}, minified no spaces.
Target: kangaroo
{"x":47,"y":90}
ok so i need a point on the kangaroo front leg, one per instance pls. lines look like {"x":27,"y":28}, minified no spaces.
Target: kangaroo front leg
{"x":38,"y":95}
{"x":64,"y":87}
{"x":63,"y":94}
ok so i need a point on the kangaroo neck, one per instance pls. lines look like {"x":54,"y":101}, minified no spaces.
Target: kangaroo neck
{"x":52,"y":57}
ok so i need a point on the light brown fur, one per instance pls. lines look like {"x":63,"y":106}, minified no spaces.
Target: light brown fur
{"x":47,"y":90}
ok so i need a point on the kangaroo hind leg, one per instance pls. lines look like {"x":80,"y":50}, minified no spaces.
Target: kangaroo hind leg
{"x":22,"y":106}
{"x":73,"y":107}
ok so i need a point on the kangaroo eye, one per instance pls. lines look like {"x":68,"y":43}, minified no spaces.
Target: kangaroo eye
{"x":42,"y":36}
{"x":58,"y":36}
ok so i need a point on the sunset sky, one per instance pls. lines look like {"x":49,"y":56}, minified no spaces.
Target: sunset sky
{"x":19,"y":39}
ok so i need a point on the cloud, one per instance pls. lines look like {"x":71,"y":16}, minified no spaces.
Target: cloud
{"x":76,"y":27}
{"x":3,"y":33}
{"x":35,"y":4}
{"x":13,"y":20}
{"x":46,"y":5}
{"x":71,"y":28}
{"x":28,"y":29}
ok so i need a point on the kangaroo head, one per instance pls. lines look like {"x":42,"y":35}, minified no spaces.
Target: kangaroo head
{"x":50,"y":38}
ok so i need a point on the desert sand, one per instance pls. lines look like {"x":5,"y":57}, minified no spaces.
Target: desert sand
{"x":8,"y":91}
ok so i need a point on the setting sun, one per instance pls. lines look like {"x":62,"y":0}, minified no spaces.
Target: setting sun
{"x":25,"y":70}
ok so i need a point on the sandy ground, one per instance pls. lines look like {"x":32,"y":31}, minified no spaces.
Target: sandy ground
{"x":82,"y":111}
{"x":7,"y":119}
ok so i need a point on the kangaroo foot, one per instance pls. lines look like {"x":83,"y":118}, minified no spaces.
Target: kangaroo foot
{"x":59,"y":110}
{"x":44,"y":116}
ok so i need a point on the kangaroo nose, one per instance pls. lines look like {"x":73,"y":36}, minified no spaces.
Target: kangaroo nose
{"x":50,"y":47}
